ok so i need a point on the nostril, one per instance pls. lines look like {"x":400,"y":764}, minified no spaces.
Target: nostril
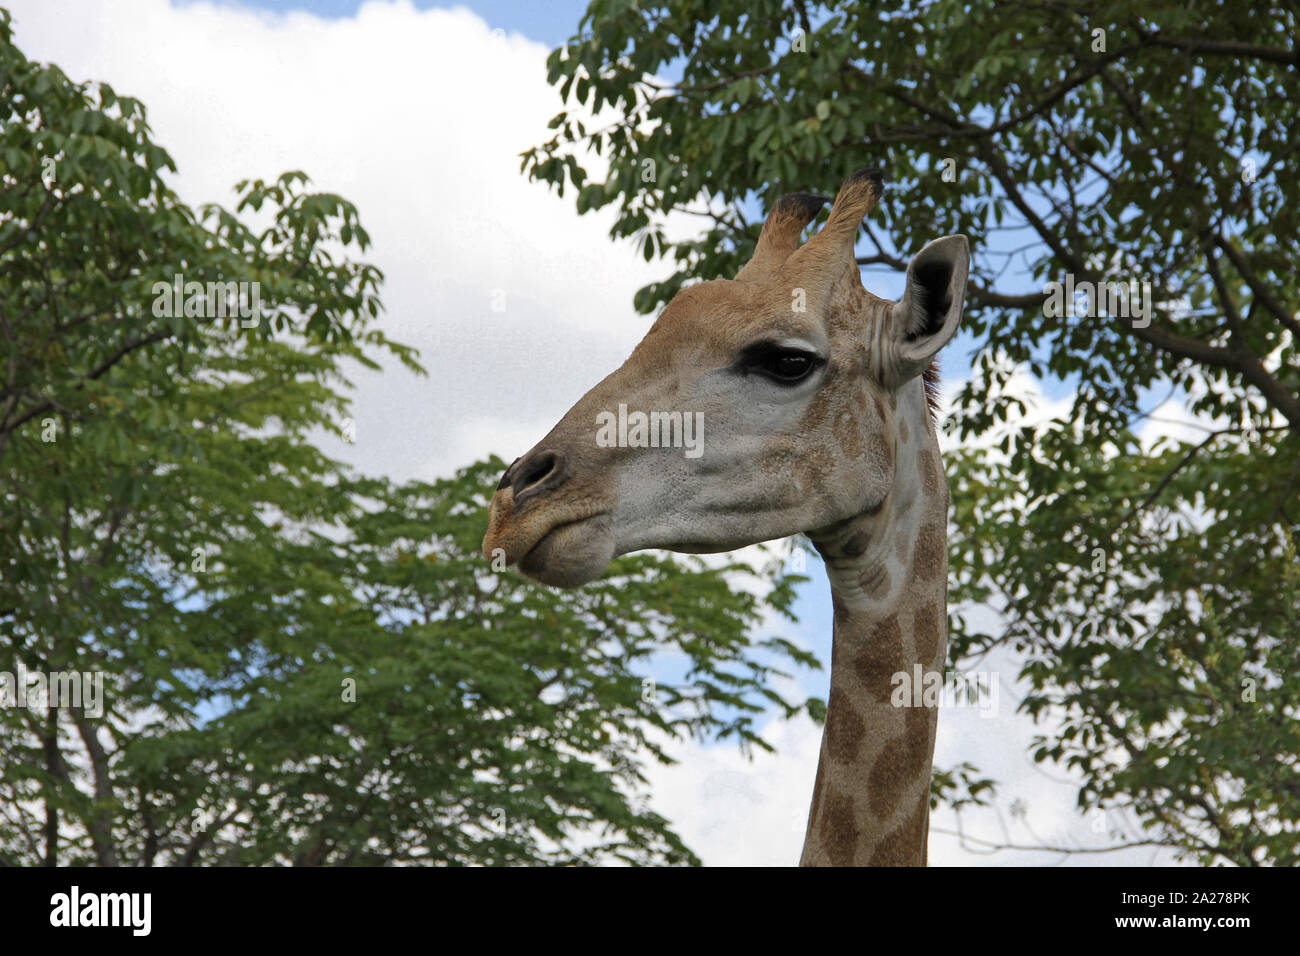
{"x":536,"y":471}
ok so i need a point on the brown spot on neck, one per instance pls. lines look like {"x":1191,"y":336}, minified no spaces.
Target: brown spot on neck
{"x":930,"y":558}
{"x":931,"y":475}
{"x":837,"y":830}
{"x":894,"y":770}
{"x":899,"y":847}
{"x":929,"y":631}
{"x":844,"y":728}
{"x":879,"y":657}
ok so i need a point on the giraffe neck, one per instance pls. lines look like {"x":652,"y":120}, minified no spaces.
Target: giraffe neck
{"x":888,"y":575}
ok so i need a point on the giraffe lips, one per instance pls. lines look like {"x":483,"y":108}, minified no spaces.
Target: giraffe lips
{"x":571,"y":553}
{"x":565,"y":548}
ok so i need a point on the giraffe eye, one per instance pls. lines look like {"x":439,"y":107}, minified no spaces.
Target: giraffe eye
{"x":784,"y":366}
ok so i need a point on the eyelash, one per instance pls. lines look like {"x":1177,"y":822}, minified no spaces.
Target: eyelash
{"x":762,"y":360}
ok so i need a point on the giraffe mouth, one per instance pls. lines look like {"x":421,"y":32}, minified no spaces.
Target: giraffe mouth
{"x":563,"y":546}
{"x":571,"y":553}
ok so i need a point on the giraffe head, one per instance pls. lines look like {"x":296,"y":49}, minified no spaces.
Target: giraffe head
{"x":753,"y":409}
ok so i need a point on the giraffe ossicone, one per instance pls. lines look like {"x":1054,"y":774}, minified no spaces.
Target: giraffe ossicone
{"x":817,"y":420}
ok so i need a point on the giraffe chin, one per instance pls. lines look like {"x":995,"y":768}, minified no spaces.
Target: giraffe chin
{"x":571,"y":554}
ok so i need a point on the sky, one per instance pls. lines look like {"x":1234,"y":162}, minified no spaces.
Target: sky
{"x":417,"y":113}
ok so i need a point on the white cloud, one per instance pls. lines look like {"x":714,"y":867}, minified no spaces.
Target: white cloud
{"x":418,"y":117}
{"x":736,"y":812}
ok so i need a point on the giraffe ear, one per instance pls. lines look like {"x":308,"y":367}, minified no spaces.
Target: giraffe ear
{"x":927,"y":315}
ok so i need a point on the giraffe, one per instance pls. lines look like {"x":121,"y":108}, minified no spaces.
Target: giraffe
{"x":819,"y":402}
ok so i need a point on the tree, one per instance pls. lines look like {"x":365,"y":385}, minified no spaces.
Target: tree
{"x":1149,"y":589}
{"x":296,"y":663}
